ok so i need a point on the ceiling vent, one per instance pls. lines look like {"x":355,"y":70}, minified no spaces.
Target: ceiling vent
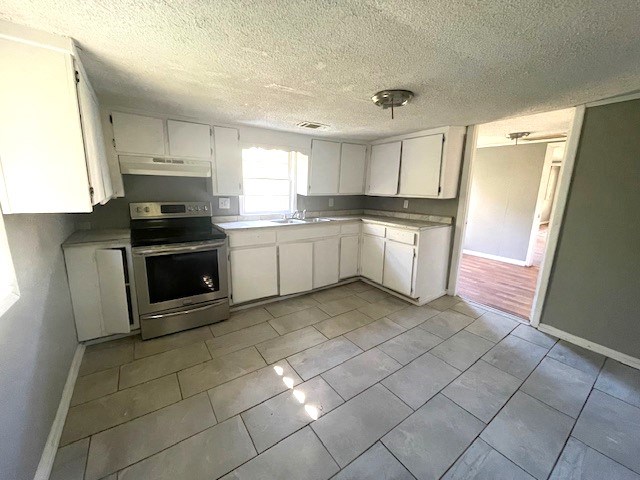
{"x":312,"y":125}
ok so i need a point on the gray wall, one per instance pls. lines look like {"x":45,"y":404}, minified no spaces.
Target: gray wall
{"x":595,"y":283}
{"x":447,"y":208}
{"x":37,"y":341}
{"x":348,"y":202}
{"x":502,"y":202}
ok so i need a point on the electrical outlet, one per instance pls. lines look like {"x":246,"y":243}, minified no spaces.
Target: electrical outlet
{"x":405,"y":204}
{"x":331,"y":202}
{"x":224,"y":203}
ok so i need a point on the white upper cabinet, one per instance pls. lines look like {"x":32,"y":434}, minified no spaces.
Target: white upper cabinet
{"x":188,"y":139}
{"x":138,"y":134}
{"x":227,"y":179}
{"x":43,"y":164}
{"x":420,"y":167}
{"x":324,"y":170}
{"x":384,"y":169}
{"x":352,"y":168}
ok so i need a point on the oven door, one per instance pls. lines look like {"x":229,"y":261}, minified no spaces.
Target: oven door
{"x":173,"y":276}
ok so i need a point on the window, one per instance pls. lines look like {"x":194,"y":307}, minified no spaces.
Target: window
{"x":268,"y":179}
{"x":9,"y":292}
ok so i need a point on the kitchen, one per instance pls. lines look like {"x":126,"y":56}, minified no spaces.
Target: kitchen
{"x":224,"y":291}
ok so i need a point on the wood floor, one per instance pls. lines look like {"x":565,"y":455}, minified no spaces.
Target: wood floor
{"x":500,"y":285}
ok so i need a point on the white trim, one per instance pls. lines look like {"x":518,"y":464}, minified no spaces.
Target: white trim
{"x":463,"y":207}
{"x":557,"y":215}
{"x":51,"y":447}
{"x":512,"y":261}
{"x":589,"y":345}
{"x":621,"y":98}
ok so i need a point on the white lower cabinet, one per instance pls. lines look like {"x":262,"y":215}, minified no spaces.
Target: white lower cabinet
{"x":326,"y":262}
{"x":349,"y":254}
{"x":254,"y":273}
{"x":372,"y":258}
{"x":398,"y":267}
{"x":296,"y":267}
{"x":101,"y":293}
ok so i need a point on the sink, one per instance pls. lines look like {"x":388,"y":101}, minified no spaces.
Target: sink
{"x":316,"y":220}
{"x":288,"y":221}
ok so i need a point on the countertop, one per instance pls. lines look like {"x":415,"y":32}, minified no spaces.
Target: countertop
{"x":81,"y":237}
{"x":390,"y":221}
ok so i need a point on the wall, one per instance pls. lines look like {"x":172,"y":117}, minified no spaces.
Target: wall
{"x":346,"y":202}
{"x":37,"y":341}
{"x":594,"y":285}
{"x":502,"y":202}
{"x":447,"y":208}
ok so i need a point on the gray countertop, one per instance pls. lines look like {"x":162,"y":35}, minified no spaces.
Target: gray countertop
{"x":81,"y":237}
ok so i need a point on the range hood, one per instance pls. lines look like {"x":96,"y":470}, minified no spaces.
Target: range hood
{"x":138,"y":165}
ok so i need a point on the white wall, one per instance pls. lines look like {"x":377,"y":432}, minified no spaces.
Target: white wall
{"x":37,"y":341}
{"x":504,"y":190}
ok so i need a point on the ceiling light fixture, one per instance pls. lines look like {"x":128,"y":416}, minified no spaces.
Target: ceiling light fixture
{"x":392,"y":98}
{"x":517,"y":135}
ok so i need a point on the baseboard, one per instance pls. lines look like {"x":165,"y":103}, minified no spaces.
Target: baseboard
{"x":51,"y":447}
{"x":512,"y":261}
{"x":589,"y":345}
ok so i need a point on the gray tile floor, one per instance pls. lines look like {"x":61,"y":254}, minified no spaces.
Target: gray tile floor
{"x":351,"y":383}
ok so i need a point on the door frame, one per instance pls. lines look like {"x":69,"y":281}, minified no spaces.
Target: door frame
{"x":555,"y":221}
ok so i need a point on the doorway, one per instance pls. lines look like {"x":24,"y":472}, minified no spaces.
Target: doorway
{"x":513,"y":178}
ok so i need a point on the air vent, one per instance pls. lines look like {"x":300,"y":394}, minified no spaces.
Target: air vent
{"x":311,"y":125}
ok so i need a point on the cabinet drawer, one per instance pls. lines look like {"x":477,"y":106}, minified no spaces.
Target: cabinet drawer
{"x":350,"y":228}
{"x":401,"y":236}
{"x":375,"y":230}
{"x":292,"y":234}
{"x":252,"y":237}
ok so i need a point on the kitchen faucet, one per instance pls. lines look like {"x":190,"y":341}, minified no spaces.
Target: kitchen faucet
{"x":299,"y":214}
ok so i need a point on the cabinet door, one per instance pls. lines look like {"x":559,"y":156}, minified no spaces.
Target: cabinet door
{"x":254,"y":273}
{"x":372,"y":258}
{"x":113,"y":291}
{"x":398,"y":267}
{"x":420,"y":170}
{"x":349,"y":254}
{"x":326,"y":262}
{"x":138,"y":134}
{"x":352,"y":168}
{"x":94,"y":145}
{"x":188,"y":139}
{"x":42,"y":160}
{"x":324,"y":170}
{"x":384,"y":169}
{"x":296,"y":267}
{"x":228,"y":160}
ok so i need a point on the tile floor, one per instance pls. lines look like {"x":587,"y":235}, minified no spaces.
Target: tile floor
{"x":351,"y":383}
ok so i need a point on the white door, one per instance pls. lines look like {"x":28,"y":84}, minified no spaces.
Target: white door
{"x":372,"y":258}
{"x":349,"y":254}
{"x":326,"y":262}
{"x":296,"y":267}
{"x":94,"y":145}
{"x":325,"y":167}
{"x":254,"y":273}
{"x":42,"y":160}
{"x":384,"y":169}
{"x":228,"y":161}
{"x":352,"y":168}
{"x":113,"y":291}
{"x":398,"y":267}
{"x":138,"y":134}
{"x":188,"y":139}
{"x":420,"y":169}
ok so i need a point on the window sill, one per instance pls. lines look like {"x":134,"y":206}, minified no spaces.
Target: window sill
{"x":8,"y":297}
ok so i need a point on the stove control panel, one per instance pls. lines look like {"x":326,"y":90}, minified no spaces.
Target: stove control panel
{"x":169,"y":210}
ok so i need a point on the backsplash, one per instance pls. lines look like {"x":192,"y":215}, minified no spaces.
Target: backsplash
{"x":428,"y":206}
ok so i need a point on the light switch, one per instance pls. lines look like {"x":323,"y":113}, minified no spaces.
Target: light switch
{"x":331,"y":202}
{"x":405,"y":204}
{"x":224,"y":203}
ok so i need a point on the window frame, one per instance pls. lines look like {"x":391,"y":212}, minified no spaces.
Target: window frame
{"x":9,"y":290}
{"x":292,"y":161}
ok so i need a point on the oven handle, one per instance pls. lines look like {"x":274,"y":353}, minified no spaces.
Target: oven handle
{"x":179,"y":249}
{"x":183,"y":312}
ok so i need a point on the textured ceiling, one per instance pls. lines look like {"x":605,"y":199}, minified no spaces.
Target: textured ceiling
{"x":275,"y":63}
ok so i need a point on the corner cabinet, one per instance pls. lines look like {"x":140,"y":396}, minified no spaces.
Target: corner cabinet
{"x":423,"y":165}
{"x":52,"y":152}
